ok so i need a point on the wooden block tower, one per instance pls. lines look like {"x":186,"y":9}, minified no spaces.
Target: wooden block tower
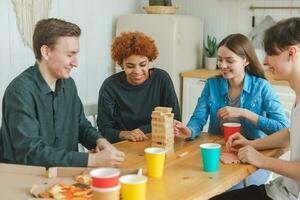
{"x":162,"y":128}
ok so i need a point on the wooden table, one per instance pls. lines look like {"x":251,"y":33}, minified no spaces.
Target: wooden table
{"x":205,"y":74}
{"x":184,"y":177}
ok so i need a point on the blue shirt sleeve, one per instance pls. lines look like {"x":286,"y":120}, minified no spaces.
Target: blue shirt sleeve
{"x":200,"y":115}
{"x":276,"y":118}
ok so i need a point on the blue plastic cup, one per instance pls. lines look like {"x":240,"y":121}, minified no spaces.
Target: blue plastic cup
{"x":210,"y":153}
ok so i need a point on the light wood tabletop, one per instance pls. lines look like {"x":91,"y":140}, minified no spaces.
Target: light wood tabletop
{"x":205,"y":74}
{"x":184,"y":177}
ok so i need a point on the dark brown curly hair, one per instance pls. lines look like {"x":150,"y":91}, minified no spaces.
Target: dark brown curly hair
{"x":133,"y":43}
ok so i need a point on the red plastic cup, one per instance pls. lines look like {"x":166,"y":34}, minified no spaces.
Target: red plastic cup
{"x":230,"y":129}
{"x":105,"y":177}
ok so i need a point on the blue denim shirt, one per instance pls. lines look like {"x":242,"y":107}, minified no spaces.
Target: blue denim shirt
{"x":257,"y":96}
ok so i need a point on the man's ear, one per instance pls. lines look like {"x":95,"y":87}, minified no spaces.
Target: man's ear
{"x":292,"y":52}
{"x":45,"y":52}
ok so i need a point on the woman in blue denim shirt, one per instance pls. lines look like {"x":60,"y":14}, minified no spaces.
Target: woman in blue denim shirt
{"x":240,"y":94}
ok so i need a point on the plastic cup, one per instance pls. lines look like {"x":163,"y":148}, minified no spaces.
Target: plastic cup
{"x":230,"y":129}
{"x":155,"y":159}
{"x":105,"y":177}
{"x":112,"y":193}
{"x":133,"y":187}
{"x":210,"y":153}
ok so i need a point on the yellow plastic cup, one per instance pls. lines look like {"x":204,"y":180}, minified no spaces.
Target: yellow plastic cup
{"x":155,"y":159}
{"x":133,"y":187}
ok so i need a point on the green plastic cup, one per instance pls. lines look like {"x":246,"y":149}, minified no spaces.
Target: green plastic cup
{"x":210,"y":153}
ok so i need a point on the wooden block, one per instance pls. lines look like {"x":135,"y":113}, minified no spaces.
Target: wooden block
{"x":52,"y":172}
{"x":162,"y":120}
{"x":162,"y":139}
{"x":162,"y":132}
{"x":161,"y":125}
{"x":183,"y":154}
{"x":162,"y":128}
{"x":159,"y":144}
{"x":156,"y":114}
{"x":163,"y":109}
{"x":170,"y":115}
{"x":163,"y":135}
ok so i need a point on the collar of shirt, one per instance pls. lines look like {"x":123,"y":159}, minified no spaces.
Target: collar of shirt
{"x":43,"y":85}
{"x":247,"y":85}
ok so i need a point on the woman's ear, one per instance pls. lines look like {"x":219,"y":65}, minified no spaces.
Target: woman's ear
{"x":246,"y":62}
{"x":121,"y":65}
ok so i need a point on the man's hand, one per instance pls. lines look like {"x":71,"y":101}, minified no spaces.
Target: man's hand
{"x":135,"y":135}
{"x":105,"y":158}
{"x":102,"y":143}
{"x":250,"y":155}
{"x":105,"y":155}
{"x":180,"y":130}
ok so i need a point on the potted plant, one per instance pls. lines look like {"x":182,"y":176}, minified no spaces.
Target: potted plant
{"x":210,"y":52}
{"x":156,"y":2}
{"x":160,"y":7}
{"x":160,"y":2}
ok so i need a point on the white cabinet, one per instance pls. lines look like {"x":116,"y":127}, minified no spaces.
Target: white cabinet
{"x":192,"y":89}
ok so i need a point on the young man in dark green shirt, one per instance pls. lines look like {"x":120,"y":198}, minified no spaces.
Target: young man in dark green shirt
{"x":42,"y":116}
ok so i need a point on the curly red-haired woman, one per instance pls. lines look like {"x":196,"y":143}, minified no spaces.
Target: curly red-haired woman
{"x":126,"y":99}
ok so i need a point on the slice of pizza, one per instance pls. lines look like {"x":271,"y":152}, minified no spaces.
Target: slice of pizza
{"x":66,"y":192}
{"x":84,"y":179}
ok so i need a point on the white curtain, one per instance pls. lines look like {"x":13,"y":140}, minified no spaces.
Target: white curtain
{"x":28,"y":12}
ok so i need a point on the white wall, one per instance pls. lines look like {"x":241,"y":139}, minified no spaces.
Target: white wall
{"x":97,"y":21}
{"x":223,"y":17}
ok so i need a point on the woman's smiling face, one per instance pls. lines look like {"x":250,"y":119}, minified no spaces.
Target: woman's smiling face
{"x":136,"y":68}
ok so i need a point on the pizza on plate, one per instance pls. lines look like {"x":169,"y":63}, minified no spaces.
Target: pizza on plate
{"x":76,"y":191}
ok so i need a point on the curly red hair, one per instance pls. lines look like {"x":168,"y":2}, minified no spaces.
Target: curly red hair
{"x":133,"y":43}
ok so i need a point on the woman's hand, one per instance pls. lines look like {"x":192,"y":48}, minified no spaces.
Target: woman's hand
{"x":135,"y":135}
{"x":230,"y":112}
{"x":237,"y":141}
{"x":180,"y":130}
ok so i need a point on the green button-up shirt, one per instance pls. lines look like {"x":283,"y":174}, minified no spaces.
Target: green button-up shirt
{"x":42,"y":127}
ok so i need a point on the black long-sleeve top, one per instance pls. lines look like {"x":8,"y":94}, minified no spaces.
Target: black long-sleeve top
{"x":124,"y":107}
